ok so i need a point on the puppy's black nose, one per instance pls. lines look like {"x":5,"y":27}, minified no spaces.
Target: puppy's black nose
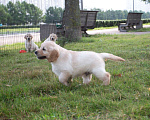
{"x":28,"y":38}
{"x":36,"y":52}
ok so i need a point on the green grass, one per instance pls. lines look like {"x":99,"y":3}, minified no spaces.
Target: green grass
{"x":18,"y":30}
{"x":141,"y":30}
{"x":29,"y":89}
{"x":138,"y":30}
{"x":103,"y":28}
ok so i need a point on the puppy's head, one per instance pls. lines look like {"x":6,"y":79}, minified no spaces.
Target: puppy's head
{"x":28,"y":37}
{"x":53,"y":37}
{"x":48,"y":50}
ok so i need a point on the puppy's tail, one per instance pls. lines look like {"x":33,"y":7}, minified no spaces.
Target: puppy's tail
{"x":111,"y":57}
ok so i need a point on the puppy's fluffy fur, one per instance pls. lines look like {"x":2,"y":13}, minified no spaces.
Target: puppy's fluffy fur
{"x":52,"y":37}
{"x":29,"y":44}
{"x":67,"y":64}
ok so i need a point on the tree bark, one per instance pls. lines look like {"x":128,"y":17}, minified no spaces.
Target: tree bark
{"x":72,"y":20}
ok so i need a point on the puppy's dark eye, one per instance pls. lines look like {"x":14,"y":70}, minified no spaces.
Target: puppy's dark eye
{"x":44,"y":49}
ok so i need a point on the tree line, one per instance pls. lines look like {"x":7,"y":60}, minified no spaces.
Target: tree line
{"x":20,"y":14}
{"x":24,"y":13}
{"x":118,"y":14}
{"x":54,"y":13}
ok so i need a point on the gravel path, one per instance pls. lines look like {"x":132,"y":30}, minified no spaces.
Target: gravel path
{"x":116,"y":31}
{"x":11,"y":39}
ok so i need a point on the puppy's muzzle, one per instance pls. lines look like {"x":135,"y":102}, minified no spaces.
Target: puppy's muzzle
{"x":38,"y":56}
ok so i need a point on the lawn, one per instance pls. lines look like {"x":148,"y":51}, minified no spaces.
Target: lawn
{"x":141,"y":30}
{"x":18,"y":30}
{"x":29,"y":89}
{"x":135,"y":30}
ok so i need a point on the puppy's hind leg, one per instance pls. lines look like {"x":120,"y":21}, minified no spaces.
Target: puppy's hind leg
{"x":87,"y":78}
{"x":65,"y":78}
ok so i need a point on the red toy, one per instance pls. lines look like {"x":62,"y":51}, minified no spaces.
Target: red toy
{"x":22,"y":51}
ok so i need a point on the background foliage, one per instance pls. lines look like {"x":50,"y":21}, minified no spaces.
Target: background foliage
{"x":110,"y":23}
{"x":20,"y":13}
{"x":117,"y":14}
{"x":24,"y":13}
{"x":53,"y":13}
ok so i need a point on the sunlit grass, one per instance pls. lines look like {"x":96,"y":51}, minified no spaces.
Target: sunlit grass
{"x":18,"y":30}
{"x":103,"y":28}
{"x":30,"y":90}
{"x":140,"y":30}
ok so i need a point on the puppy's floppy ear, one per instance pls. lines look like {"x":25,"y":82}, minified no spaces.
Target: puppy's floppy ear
{"x":31,"y":36}
{"x":50,"y":36}
{"x":25,"y":37}
{"x":56,"y":37}
{"x":53,"y":56}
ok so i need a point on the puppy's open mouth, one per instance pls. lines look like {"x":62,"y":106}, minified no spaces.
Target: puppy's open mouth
{"x":42,"y":57}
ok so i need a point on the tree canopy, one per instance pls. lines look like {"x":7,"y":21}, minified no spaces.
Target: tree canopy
{"x":20,"y":13}
{"x":4,"y":14}
{"x":24,"y":13}
{"x":117,"y":14}
{"x":53,"y":13}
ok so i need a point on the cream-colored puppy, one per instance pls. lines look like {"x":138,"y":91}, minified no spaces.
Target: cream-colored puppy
{"x":29,"y":44}
{"x":52,"y":37}
{"x":67,"y":64}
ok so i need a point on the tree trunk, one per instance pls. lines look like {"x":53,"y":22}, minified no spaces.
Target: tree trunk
{"x":72,"y":20}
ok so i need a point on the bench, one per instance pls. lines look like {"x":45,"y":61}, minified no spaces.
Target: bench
{"x":88,"y":21}
{"x":133,"y":22}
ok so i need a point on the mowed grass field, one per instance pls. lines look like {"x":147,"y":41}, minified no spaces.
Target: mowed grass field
{"x":18,"y":30}
{"x":29,"y":89}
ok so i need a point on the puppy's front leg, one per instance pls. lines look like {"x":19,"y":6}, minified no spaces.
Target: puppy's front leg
{"x":86,"y":78}
{"x":27,"y":50}
{"x":31,"y":50}
{"x":65,"y":78}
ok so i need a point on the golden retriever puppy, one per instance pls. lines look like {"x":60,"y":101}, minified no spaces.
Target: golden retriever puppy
{"x":67,"y":64}
{"x":29,"y":44}
{"x":52,"y":37}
